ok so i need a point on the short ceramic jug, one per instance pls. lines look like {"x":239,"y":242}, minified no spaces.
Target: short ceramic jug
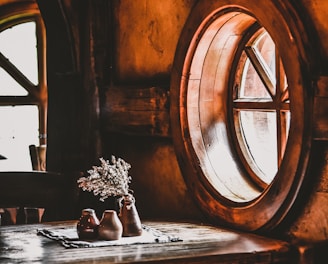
{"x":87,"y":226}
{"x":110,"y":227}
{"x":129,"y":217}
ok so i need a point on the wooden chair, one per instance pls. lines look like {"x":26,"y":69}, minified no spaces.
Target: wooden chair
{"x":38,"y":157}
{"x":26,"y":194}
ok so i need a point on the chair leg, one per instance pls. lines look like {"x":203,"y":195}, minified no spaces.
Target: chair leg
{"x":33,"y":215}
{"x":9,"y":216}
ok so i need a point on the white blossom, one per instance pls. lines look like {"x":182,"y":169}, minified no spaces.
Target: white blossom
{"x":109,"y":179}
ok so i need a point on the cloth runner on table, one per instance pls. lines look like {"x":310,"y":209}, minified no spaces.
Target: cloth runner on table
{"x":68,"y":238}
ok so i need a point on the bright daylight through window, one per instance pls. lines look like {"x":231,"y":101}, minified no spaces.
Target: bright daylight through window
{"x":261,"y":107}
{"x":18,"y":45}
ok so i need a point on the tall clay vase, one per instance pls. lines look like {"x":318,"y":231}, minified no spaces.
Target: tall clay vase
{"x":110,"y":227}
{"x":129,"y":217}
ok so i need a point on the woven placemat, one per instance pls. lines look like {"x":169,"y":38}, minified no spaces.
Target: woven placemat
{"x":68,"y":238}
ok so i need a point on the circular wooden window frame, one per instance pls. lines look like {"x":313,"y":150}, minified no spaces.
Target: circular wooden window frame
{"x":265,"y":209}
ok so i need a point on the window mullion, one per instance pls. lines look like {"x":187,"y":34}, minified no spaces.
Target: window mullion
{"x":261,"y":68}
{"x":254,"y":105}
{"x":18,"y":76}
{"x":281,"y":115}
{"x":18,"y":100}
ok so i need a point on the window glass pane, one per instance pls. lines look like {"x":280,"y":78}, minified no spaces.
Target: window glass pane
{"x":18,"y":44}
{"x":259,"y":132}
{"x":252,"y":85}
{"x":9,"y":86}
{"x":19,"y":129}
{"x":266,"y":47}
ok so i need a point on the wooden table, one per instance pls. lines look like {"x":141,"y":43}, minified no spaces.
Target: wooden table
{"x":201,"y":244}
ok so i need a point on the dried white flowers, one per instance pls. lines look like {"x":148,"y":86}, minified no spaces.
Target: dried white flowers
{"x":110,"y":179}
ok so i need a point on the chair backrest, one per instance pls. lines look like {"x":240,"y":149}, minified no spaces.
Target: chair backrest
{"x":56,"y":193}
{"x":38,"y":157}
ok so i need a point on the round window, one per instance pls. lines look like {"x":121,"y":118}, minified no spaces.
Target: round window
{"x":238,"y":112}
{"x":260,"y":107}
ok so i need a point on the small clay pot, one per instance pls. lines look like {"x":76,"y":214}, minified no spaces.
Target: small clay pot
{"x":87,"y":226}
{"x":110,"y":227}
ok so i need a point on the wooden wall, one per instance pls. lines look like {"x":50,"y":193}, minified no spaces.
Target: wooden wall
{"x":135,"y":114}
{"x":312,"y":223}
{"x":114,"y":89}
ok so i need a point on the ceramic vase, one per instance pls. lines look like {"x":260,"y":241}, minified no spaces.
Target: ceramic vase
{"x":129,"y":217}
{"x":87,"y":226}
{"x":110,"y":227}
